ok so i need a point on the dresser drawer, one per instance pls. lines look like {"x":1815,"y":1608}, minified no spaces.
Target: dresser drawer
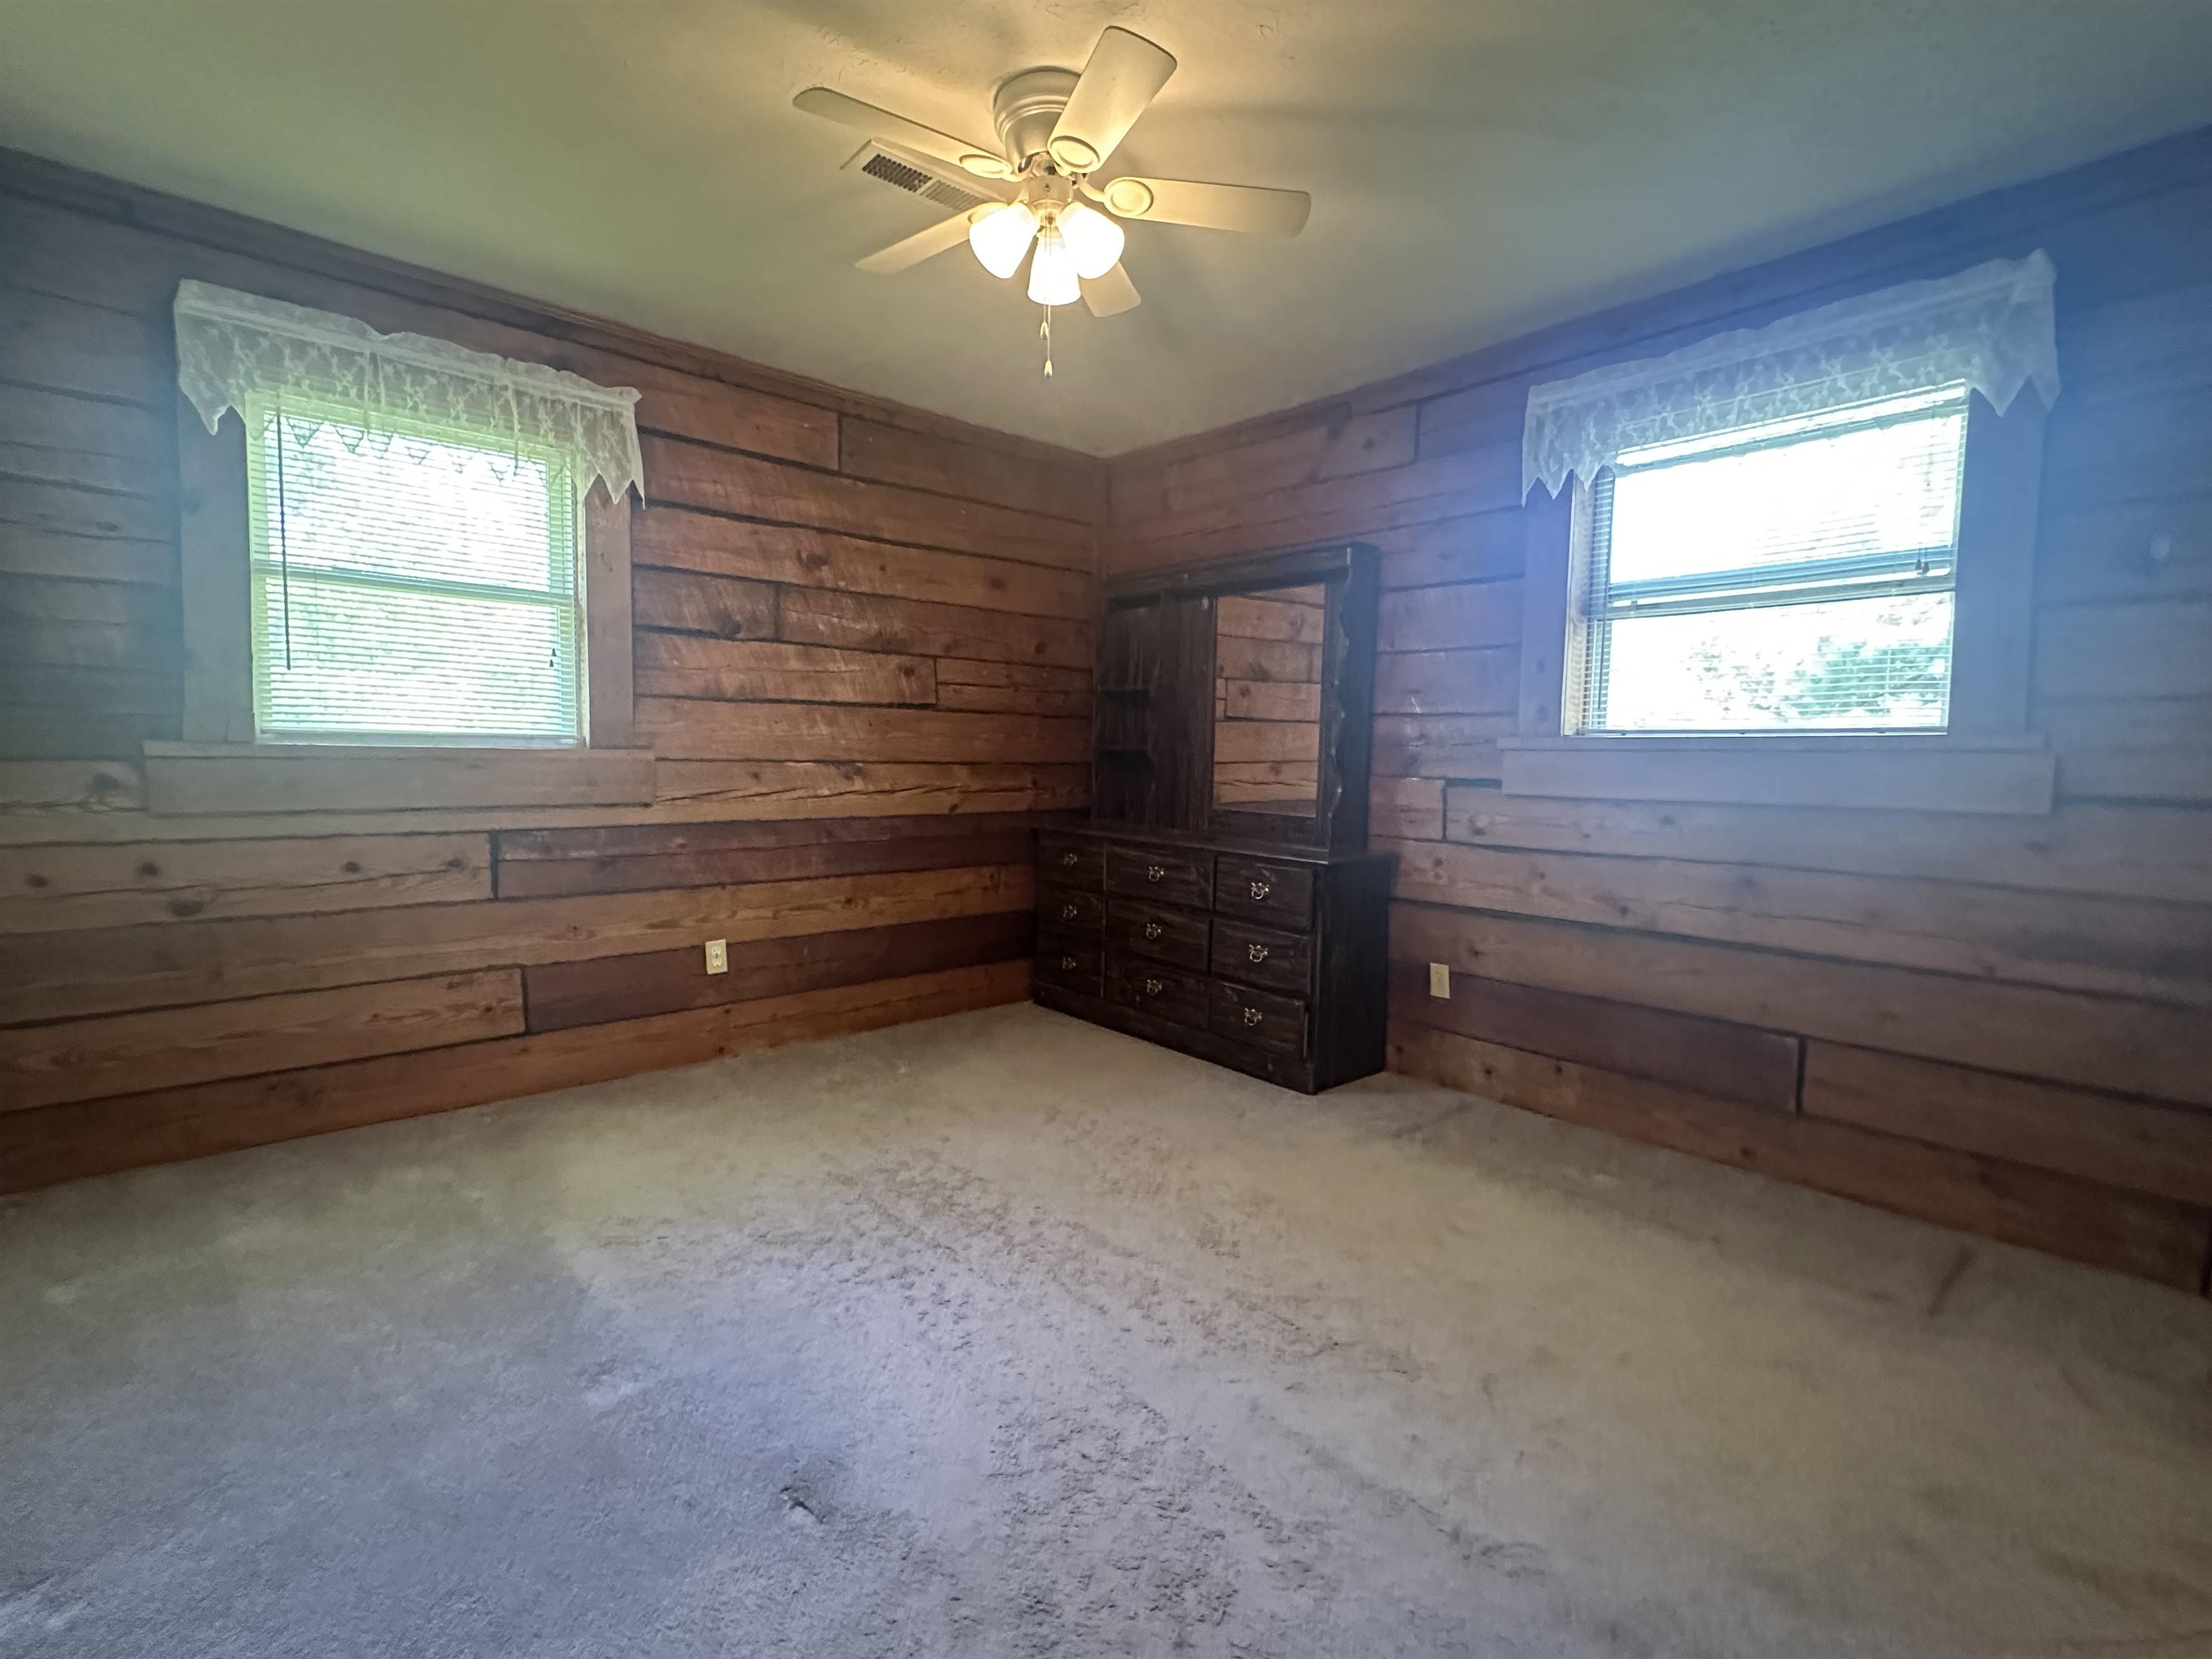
{"x":1071,"y":861}
{"x":1152,"y":930}
{"x":1260,"y":956}
{"x":1074,"y":963}
{"x":1169,"y":993}
{"x":1064,"y":909}
{"x":1277,"y":893}
{"x":1170,"y":878}
{"x":1260,"y":1018}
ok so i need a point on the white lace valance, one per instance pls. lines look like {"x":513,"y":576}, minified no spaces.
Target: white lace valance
{"x":1990,"y":327}
{"x":234,"y":349}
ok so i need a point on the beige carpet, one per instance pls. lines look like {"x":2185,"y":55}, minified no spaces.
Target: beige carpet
{"x":1005,"y":1336}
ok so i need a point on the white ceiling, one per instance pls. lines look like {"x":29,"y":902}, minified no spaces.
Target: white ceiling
{"x":1477,"y":167}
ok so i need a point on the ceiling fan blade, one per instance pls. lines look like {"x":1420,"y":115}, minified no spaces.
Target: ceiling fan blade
{"x":882,"y":124}
{"x":1111,"y":295}
{"x":1124,"y":74}
{"x":1216,"y":206}
{"x":939,"y":238}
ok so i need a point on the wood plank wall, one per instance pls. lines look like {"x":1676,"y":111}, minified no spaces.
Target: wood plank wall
{"x":2001,"y":1024}
{"x":862,"y":642}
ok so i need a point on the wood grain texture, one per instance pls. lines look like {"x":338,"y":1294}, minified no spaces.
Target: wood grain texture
{"x":2097,"y":1042}
{"x":554,"y":863}
{"x":683,"y":730}
{"x":113,"y":971}
{"x":187,"y":778}
{"x":62,"y":1142}
{"x":2129,"y":1144}
{"x":2150,"y":1237}
{"x":563,"y":994}
{"x":1939,"y":777}
{"x":1711,"y":1057}
{"x":86,"y":1059}
{"x":753,"y":671}
{"x":55,"y":888}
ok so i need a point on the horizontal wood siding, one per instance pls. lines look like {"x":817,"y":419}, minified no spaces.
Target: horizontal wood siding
{"x":861,"y":645}
{"x":1999,"y":1014}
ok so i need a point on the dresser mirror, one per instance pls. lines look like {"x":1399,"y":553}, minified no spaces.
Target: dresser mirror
{"x":1266,"y":700}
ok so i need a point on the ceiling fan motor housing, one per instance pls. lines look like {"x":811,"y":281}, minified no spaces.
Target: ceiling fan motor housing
{"x":1027,"y":107}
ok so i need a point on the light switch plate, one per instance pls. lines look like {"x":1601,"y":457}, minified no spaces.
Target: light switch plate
{"x":718,"y":956}
{"x":1440,"y":981}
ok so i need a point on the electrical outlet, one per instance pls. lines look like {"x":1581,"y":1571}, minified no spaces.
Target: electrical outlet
{"x":718,"y":956}
{"x":1440,"y":981}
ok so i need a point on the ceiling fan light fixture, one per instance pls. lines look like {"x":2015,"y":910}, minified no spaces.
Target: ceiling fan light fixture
{"x":1094,"y":239}
{"x":1000,"y":237}
{"x":1053,"y":279}
{"x":1073,"y":154}
{"x":1131,"y":198}
{"x":986,"y":166}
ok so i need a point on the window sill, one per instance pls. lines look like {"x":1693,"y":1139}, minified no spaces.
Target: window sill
{"x":192,"y":778}
{"x":1904,"y":773}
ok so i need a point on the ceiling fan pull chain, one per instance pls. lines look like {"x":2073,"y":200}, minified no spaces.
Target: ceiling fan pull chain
{"x":1044,"y":333}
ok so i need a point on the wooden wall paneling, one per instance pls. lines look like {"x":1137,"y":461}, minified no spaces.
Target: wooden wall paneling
{"x":1548,"y":528}
{"x":1477,"y":681}
{"x":713,"y":545}
{"x":607,"y":598}
{"x":1405,"y":809}
{"x":1895,"y":772}
{"x":63,"y":1143}
{"x":719,"y":606}
{"x":86,"y":1059}
{"x":61,"y":438}
{"x":867,"y":622}
{"x":215,"y":577}
{"x":1066,"y":489}
{"x":2131,"y":852}
{"x":1464,"y":615}
{"x":65,"y":791}
{"x":2138,"y":550}
{"x":2098,"y":1043}
{"x":687,"y":474}
{"x":2149,"y":1236}
{"x":1440,"y":745}
{"x":753,"y":671}
{"x":693,"y":731}
{"x":2156,"y":950}
{"x":45,"y":976}
{"x":2130,"y":1143}
{"x":569,"y":993}
{"x":1994,"y":612}
{"x":690,"y":790}
{"x":191,"y":778}
{"x":1709,"y":1057}
{"x":1477,"y":547}
{"x":2155,"y":650}
{"x":54,"y":888}
{"x":1012,"y":688}
{"x":2131,"y":749}
{"x":553,"y":863}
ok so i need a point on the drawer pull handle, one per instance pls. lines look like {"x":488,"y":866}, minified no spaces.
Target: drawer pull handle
{"x":1253,"y":1016}
{"x":1154,"y":930}
{"x":1067,"y":912}
{"x":1255,"y":953}
{"x":1067,"y":860}
{"x":1155,"y":872}
{"x":1153,"y":988}
{"x":1067,"y":963}
{"x":1259,"y":890}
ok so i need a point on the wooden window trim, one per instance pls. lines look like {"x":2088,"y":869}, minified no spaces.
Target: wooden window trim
{"x":1986,"y":762}
{"x":215,"y":582}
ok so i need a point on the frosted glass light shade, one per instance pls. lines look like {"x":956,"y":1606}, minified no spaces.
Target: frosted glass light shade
{"x":1002,"y":236}
{"x":1052,"y":273}
{"x":1094,"y":239}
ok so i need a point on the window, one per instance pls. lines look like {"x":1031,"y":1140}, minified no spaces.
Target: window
{"x":1797,"y":575}
{"x":394,"y":540}
{"x":410,"y":583}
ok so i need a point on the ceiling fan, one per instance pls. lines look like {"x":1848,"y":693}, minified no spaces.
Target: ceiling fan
{"x":1035,"y":189}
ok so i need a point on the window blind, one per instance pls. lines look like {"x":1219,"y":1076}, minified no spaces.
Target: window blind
{"x":1797,"y":574}
{"x":410,"y":585}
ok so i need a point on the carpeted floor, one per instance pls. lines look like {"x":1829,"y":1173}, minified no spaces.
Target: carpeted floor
{"x":1003,"y":1335}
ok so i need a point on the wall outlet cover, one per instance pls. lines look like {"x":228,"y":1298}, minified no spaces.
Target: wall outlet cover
{"x":718,"y":956}
{"x":1440,"y":981}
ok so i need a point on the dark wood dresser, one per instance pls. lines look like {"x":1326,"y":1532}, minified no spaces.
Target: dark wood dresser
{"x":1268,"y":961}
{"x":1219,"y":901}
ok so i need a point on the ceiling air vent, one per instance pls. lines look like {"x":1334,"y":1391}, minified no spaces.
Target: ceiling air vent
{"x":900,"y":168}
